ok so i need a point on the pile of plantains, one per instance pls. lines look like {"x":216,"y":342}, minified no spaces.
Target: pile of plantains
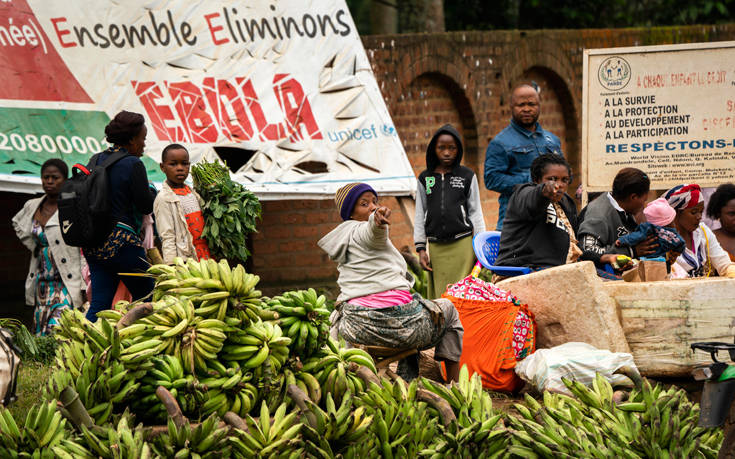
{"x":211,"y":368}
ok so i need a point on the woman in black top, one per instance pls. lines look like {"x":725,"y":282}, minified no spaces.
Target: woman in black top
{"x":131,"y":197}
{"x":539,"y":230}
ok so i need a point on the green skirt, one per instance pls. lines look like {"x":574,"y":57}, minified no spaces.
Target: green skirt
{"x":450,"y":262}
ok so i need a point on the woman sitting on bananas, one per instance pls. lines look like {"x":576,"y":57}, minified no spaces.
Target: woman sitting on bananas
{"x":375,"y":306}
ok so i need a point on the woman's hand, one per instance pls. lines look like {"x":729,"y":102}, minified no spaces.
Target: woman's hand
{"x":424,"y":260}
{"x":552,"y":191}
{"x":646,"y":247}
{"x":382,"y":216}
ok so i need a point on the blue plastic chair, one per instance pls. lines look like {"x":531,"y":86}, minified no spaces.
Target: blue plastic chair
{"x":486,"y":246}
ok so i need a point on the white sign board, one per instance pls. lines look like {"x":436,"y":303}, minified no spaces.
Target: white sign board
{"x":283,"y":90}
{"x":667,"y":110}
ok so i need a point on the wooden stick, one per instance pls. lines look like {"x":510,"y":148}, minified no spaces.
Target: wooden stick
{"x":364,"y":373}
{"x":393,"y":376}
{"x":236,"y":421}
{"x":77,"y":414}
{"x":172,"y":406}
{"x":441,"y":405}
{"x":631,"y":373}
{"x":394,"y":358}
{"x":299,"y":397}
{"x":137,"y":312}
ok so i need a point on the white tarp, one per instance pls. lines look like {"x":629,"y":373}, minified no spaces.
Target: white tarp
{"x":282,"y":90}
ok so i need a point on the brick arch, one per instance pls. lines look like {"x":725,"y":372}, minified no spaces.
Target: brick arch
{"x":453,"y":74}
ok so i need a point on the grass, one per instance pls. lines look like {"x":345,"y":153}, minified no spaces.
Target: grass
{"x":32,"y":377}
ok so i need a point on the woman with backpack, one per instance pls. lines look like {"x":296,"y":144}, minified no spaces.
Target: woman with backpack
{"x":54,"y":281}
{"x":130,"y":197}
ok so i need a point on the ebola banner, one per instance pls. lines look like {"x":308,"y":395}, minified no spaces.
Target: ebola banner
{"x":282,"y":91}
{"x":667,"y":110}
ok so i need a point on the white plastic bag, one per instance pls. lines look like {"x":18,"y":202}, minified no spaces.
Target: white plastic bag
{"x":9,"y":365}
{"x":580,"y":361}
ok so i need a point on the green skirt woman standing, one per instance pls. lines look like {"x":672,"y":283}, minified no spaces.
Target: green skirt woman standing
{"x":448,"y":212}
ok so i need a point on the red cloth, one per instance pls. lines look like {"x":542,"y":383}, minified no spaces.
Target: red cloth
{"x":194,"y":219}
{"x":496,"y":335}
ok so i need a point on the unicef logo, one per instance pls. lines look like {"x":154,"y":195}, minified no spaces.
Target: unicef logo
{"x":614,"y":73}
{"x":388,"y":130}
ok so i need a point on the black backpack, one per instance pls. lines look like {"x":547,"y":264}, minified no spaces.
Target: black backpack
{"x":84,"y":204}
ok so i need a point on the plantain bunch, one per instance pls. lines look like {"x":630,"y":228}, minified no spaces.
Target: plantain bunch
{"x":654,"y":422}
{"x":304,"y":318}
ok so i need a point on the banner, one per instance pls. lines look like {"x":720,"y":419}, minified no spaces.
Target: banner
{"x":281,"y":91}
{"x":667,"y":110}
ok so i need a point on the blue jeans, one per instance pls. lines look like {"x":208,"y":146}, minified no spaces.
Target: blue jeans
{"x":105,"y":279}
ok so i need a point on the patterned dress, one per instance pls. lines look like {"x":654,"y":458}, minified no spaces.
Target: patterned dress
{"x":52,"y":297}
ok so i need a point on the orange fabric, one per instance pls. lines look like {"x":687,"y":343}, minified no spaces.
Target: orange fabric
{"x":487,"y":346}
{"x":121,"y":294}
{"x":195,"y":221}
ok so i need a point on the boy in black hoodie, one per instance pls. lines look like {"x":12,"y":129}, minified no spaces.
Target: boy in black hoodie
{"x":448,"y":212}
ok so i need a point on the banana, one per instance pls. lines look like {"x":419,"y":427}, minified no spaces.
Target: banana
{"x":141,"y":346}
{"x":258,"y":358}
{"x":176,"y":330}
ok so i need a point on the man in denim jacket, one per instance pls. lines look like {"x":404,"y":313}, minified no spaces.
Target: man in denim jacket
{"x":509,"y":156}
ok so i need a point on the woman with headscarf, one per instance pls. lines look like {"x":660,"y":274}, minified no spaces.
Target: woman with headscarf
{"x":54,"y":281}
{"x":703,"y":255}
{"x":131,"y":197}
{"x":375,"y":306}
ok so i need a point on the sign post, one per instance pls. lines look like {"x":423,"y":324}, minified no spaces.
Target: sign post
{"x":667,"y":110}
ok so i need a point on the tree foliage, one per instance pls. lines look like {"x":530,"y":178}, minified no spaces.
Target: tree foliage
{"x":558,"y":14}
{"x":568,"y":14}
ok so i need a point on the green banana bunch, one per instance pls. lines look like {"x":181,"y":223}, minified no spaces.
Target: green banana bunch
{"x":421,"y":281}
{"x":168,"y":372}
{"x":205,"y":281}
{"x":240,"y":400}
{"x":468,"y":399}
{"x":202,"y":342}
{"x":330,"y":367}
{"x":669,"y":423}
{"x":260,"y":345}
{"x":304,"y":381}
{"x":112,"y":442}
{"x":473,"y":434}
{"x":207,"y":440}
{"x":304,"y":318}
{"x":74,"y":326}
{"x":44,"y":429}
{"x":80,"y":339}
{"x":402,"y":425}
{"x":101,"y":386}
{"x":264,"y":438}
{"x":336,"y":428}
{"x":173,"y":329}
{"x":654,"y":423}
{"x":478,"y":439}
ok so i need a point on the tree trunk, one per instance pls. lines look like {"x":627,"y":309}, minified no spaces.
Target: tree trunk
{"x":421,"y":15}
{"x":383,"y":17}
{"x":514,"y":13}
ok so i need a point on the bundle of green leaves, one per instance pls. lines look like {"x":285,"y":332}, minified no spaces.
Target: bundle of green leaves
{"x":230,"y":211}
{"x":33,"y":348}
